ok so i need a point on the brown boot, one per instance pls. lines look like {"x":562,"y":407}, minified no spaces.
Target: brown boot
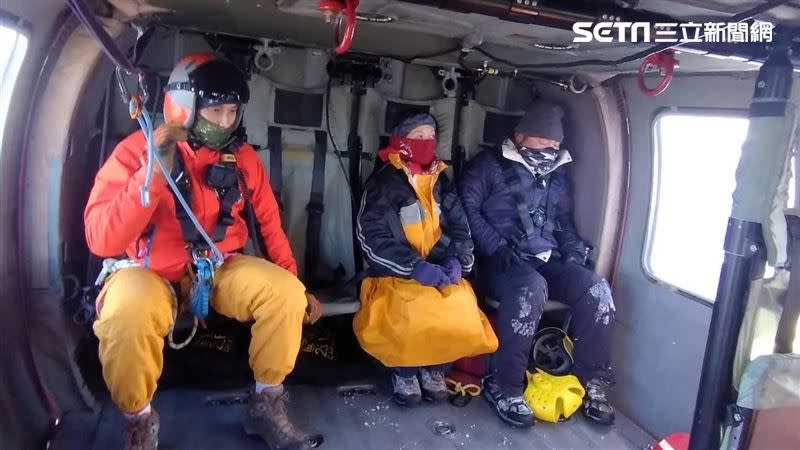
{"x":267,"y":418}
{"x":141,"y":432}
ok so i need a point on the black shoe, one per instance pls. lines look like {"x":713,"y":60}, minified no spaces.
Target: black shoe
{"x":595,"y":404}
{"x":513,"y":410}
{"x":434,"y":388}
{"x":406,"y":391}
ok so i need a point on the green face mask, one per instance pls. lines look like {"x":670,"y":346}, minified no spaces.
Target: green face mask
{"x":210,"y":134}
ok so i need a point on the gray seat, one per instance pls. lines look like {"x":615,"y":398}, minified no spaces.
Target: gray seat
{"x":296,"y":143}
{"x":549,"y":306}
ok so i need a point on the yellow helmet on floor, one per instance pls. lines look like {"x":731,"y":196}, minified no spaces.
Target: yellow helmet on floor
{"x":551,"y":352}
{"x":553,"y":397}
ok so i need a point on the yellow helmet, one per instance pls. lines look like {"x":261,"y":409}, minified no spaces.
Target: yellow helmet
{"x":553,"y":398}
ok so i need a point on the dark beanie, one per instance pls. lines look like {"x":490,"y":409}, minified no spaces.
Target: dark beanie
{"x":542,"y":120}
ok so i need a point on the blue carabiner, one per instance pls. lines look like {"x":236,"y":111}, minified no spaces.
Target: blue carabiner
{"x":200,"y":293}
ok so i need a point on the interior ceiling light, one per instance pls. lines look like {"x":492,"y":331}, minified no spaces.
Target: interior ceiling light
{"x":554,"y":46}
{"x":374,"y":18}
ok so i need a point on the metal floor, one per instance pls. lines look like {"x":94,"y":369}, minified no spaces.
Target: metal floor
{"x":195,"y":419}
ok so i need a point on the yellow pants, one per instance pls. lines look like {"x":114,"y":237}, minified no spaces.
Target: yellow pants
{"x":135,"y":313}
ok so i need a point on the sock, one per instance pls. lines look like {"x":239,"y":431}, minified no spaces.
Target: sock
{"x":145,"y":411}
{"x":261,"y":387}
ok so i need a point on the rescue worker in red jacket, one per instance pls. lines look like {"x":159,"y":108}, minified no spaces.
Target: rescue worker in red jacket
{"x":136,"y":307}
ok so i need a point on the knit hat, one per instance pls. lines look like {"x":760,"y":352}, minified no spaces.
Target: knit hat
{"x":542,"y":120}
{"x":408,"y":124}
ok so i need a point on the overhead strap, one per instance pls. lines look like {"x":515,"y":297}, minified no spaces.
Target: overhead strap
{"x":531,"y":217}
{"x":316,"y":205}
{"x":785,"y":336}
{"x":275,"y":144}
{"x":89,"y":19}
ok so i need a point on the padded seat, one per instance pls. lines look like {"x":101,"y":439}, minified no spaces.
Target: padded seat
{"x":549,"y":306}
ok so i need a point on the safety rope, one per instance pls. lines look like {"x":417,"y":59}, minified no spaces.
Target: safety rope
{"x":153,"y":158}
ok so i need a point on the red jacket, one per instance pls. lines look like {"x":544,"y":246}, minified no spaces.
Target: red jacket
{"x":116,"y":220}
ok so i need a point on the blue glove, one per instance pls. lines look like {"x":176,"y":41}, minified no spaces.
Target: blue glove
{"x":429,"y":274}
{"x":453,"y":268}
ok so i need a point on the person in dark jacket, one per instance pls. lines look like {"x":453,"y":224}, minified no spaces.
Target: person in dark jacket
{"x":519,"y":205}
{"x":418,"y":313}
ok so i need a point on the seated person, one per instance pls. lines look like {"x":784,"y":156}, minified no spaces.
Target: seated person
{"x":137,"y":305}
{"x":418,"y":314}
{"x":519,"y":205}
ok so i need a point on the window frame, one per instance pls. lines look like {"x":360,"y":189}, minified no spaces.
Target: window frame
{"x":23,"y":28}
{"x":655,"y":185}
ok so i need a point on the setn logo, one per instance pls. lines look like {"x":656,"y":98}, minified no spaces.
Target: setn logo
{"x":622,"y":32}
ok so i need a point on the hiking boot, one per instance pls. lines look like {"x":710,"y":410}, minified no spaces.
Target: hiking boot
{"x":595,"y":404}
{"x":434,"y":388}
{"x":406,"y":391}
{"x":141,"y":432}
{"x":513,"y":410}
{"x":267,"y":419}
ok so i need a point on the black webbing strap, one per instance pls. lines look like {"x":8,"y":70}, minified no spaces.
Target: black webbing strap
{"x":184,"y":183}
{"x":316,"y":205}
{"x":227,"y":198}
{"x":275,"y":144}
{"x":784,"y":338}
{"x":522,"y":199}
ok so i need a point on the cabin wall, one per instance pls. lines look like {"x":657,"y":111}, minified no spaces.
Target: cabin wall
{"x":660,"y":338}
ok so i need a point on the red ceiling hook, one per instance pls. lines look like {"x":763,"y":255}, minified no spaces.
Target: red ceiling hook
{"x":663,"y":61}
{"x":345,"y":12}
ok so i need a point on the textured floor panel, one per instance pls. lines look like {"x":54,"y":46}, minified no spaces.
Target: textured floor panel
{"x":192,"y":419}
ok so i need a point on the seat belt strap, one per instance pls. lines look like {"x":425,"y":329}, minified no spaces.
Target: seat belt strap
{"x":275,"y":144}
{"x":785,"y":336}
{"x":316,"y":205}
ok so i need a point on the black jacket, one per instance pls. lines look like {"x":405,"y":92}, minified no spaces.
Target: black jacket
{"x":380,"y":230}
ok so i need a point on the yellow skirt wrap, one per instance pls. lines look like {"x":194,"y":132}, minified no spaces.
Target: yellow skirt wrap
{"x":405,"y":324}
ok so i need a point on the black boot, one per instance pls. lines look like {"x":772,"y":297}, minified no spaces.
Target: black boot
{"x":513,"y":410}
{"x":595,"y":404}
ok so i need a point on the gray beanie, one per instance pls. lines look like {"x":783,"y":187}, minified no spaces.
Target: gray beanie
{"x":408,"y":124}
{"x":542,"y":120}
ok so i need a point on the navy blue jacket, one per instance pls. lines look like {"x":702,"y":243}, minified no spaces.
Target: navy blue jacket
{"x":493,"y":215}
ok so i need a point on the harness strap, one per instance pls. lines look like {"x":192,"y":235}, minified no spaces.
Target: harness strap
{"x":541,"y":217}
{"x":316,"y":204}
{"x":182,"y":180}
{"x":228,"y":198}
{"x":275,"y":145}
